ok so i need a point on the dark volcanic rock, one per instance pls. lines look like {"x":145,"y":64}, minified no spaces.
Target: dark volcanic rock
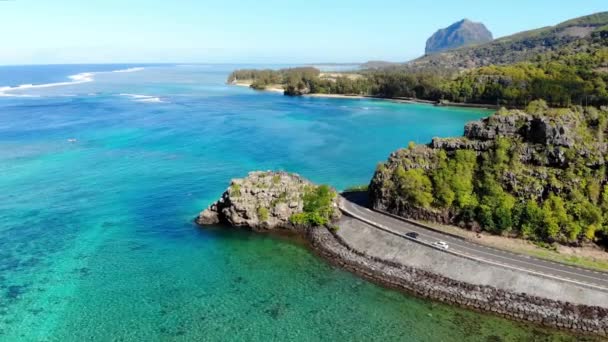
{"x":453,"y":144}
{"x":462,"y":33}
{"x":533,"y":130}
{"x":496,"y":125}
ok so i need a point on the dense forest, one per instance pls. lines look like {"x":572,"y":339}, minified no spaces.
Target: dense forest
{"x":574,"y":74}
{"x":538,"y":174}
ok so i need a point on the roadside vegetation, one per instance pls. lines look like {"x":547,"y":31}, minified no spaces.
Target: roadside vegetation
{"x":318,"y":208}
{"x":514,"y":187}
{"x":588,"y":257}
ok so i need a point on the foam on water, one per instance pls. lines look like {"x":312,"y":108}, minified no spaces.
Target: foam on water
{"x":80,"y":78}
{"x":129,"y":70}
{"x":144,"y":98}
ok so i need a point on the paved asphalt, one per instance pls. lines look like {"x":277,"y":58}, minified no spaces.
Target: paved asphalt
{"x":599,"y":280}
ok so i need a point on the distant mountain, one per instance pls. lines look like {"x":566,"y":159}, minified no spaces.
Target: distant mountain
{"x":575,"y":35}
{"x":459,"y":34}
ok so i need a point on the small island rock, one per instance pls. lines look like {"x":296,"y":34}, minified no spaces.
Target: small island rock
{"x":273,"y":200}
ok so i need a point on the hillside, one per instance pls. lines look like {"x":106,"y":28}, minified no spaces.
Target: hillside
{"x":537,"y":174}
{"x":574,"y":34}
{"x":564,"y":65}
{"x":460,"y":34}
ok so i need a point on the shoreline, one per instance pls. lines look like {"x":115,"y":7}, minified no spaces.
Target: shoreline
{"x":515,"y":306}
{"x":248,"y":85}
{"x":532,"y":311}
{"x":404,"y":100}
{"x":385,"y":255}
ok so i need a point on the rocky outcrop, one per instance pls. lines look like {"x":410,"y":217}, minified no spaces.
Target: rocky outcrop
{"x":521,"y":46}
{"x":453,"y":144}
{"x":263,"y":201}
{"x":523,"y":155}
{"x":459,"y":34}
{"x":534,"y":130}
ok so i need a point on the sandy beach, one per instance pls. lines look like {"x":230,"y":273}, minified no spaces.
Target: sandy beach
{"x":278,"y":89}
{"x":273,"y":88}
{"x":339,"y":96}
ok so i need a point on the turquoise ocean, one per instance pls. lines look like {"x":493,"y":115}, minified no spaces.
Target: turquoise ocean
{"x":102,"y":174}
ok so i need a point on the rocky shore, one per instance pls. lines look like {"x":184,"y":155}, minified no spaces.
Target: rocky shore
{"x":517,"y":306}
{"x":270,"y":201}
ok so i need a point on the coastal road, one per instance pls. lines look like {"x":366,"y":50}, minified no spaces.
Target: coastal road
{"x":355,"y":205}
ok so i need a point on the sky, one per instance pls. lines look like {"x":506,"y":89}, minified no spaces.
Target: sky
{"x":250,"y":31}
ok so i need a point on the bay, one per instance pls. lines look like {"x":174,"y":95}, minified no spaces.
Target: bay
{"x":100,"y":182}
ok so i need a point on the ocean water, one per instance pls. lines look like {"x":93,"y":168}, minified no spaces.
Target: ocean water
{"x":102,"y":175}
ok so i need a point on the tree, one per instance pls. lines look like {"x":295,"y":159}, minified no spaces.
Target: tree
{"x":415,"y":187}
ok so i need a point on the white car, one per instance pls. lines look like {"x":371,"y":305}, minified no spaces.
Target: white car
{"x":441,"y":244}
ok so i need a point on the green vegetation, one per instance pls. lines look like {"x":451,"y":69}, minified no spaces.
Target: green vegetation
{"x":235,"y":190}
{"x":263,"y":213}
{"x":317,"y":209}
{"x":513,"y":187}
{"x":576,"y":34}
{"x":357,"y":188}
{"x":539,"y":249}
{"x":564,"y":65}
{"x":281,"y":199}
{"x":296,"y":81}
{"x":334,"y":228}
{"x":414,"y":186}
{"x":561,"y":79}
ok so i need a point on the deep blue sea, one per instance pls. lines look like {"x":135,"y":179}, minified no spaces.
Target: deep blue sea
{"x":101,"y":175}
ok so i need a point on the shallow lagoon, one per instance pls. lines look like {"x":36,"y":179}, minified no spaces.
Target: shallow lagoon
{"x":96,"y":235}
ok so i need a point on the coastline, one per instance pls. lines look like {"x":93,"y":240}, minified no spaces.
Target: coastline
{"x":272,"y":89}
{"x":517,"y":306}
{"x":372,"y":251}
{"x":404,"y":100}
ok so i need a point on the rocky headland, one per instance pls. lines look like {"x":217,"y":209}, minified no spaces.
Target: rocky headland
{"x":279,"y":201}
{"x":538,"y":174}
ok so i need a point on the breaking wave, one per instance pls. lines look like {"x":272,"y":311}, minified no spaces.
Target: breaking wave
{"x":84,"y":77}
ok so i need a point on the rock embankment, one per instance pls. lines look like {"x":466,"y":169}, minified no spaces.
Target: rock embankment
{"x":513,"y":305}
{"x":272,"y":200}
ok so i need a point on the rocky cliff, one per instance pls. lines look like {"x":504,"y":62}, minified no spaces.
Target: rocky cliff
{"x":537,"y":174}
{"x":273,"y":200}
{"x":462,"y":33}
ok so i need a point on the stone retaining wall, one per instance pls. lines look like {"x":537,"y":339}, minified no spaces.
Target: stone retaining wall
{"x":518,"y":306}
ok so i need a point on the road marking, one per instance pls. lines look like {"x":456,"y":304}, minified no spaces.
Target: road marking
{"x":539,"y":263}
{"x":555,"y":276}
{"x":401,"y":222}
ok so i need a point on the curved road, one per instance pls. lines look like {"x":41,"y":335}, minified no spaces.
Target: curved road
{"x":596,"y":279}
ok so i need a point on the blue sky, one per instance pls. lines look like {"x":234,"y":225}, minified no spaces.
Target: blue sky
{"x":263,"y":31}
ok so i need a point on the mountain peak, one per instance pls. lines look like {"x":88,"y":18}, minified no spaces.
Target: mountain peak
{"x":462,"y":33}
